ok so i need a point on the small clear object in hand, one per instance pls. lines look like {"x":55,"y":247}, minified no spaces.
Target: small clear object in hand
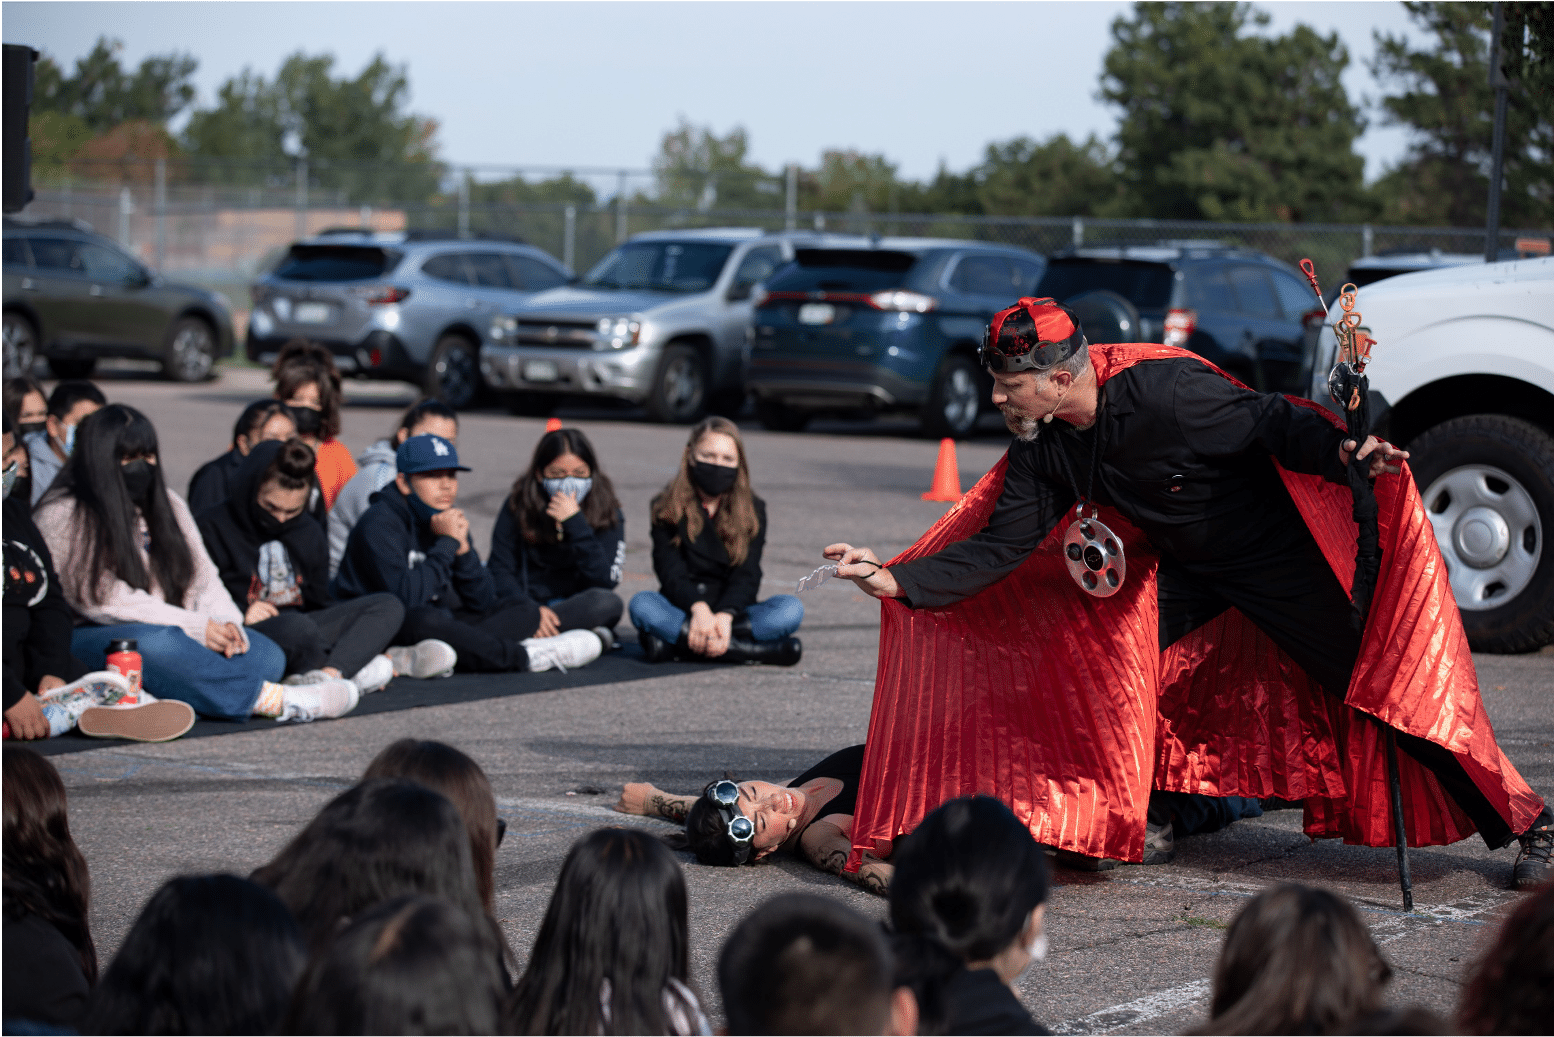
{"x":816,"y":578}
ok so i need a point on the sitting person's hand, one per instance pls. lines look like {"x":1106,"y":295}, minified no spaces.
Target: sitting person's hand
{"x":258,"y":612}
{"x":717,"y":644}
{"x":704,"y":626}
{"x":634,"y":798}
{"x":225,"y":638}
{"x":26,"y":719}
{"x":562,"y":506}
{"x":452,"y":523}
{"x":550,"y":623}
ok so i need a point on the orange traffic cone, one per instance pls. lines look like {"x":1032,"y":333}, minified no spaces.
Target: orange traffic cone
{"x":553,"y":425}
{"x":946,"y":474}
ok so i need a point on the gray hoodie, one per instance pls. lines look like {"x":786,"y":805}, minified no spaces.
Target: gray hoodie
{"x":375,"y":469}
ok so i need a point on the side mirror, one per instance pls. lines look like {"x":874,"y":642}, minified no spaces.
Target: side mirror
{"x":140,"y":277}
{"x":738,"y":291}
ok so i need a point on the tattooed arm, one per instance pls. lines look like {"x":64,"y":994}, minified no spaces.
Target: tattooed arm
{"x":639,"y":797}
{"x":828,"y":841}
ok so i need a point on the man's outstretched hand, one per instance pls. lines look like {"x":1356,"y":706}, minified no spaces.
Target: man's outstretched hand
{"x":862,"y":566}
{"x":1385,"y":458}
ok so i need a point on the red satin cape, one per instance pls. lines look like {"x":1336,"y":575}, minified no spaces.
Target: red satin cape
{"x":1062,"y":705}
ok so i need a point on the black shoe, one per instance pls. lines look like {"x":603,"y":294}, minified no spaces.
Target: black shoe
{"x":1159,"y":837}
{"x":785,"y":651}
{"x":1079,"y":862}
{"x":1531,"y":869}
{"x":655,"y":649}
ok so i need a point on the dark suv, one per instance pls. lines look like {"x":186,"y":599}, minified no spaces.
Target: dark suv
{"x":858,"y":325}
{"x":72,"y":296}
{"x":1242,"y":310}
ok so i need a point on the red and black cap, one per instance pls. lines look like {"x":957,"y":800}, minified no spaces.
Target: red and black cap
{"x":1031,"y":335}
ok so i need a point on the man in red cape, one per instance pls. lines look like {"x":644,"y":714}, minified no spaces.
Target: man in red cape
{"x":1227,"y":660}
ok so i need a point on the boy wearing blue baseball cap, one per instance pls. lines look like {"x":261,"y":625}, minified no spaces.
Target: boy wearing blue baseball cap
{"x":414,"y":543}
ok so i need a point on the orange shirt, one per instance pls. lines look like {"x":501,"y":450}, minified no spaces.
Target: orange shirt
{"x":334,"y":466}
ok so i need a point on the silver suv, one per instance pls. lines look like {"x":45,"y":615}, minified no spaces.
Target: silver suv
{"x":661,"y":321}
{"x":407,"y":306}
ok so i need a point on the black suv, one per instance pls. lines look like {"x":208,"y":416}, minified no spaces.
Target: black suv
{"x":73,"y":296}
{"x":1239,"y":309}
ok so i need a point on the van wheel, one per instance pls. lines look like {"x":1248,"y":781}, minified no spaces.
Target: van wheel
{"x":954,"y":402}
{"x":191,"y":351}
{"x":679,"y":393}
{"x":21,"y":345}
{"x":453,"y":373}
{"x":1487,"y":483}
{"x":779,"y":417}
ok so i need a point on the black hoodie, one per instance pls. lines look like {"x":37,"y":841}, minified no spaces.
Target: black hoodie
{"x":392,"y":551}
{"x":238,"y":534}
{"x":38,"y":622}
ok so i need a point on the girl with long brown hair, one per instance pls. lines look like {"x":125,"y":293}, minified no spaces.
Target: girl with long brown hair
{"x":708,"y":532}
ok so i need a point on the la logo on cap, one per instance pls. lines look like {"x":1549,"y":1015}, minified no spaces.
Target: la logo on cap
{"x":440,"y":447}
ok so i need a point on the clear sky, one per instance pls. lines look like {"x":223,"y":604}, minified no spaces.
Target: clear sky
{"x":597,"y":83}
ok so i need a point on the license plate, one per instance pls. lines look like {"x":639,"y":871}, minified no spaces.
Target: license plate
{"x":311,"y":313}
{"x":817,"y":313}
{"x":540,"y":371}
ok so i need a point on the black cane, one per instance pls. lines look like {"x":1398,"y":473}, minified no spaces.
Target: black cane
{"x":1404,"y":878}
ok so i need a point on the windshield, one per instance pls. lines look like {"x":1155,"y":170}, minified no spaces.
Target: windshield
{"x":842,"y":270}
{"x":336,"y":263}
{"x":660,"y":266}
{"x":1146,"y":285}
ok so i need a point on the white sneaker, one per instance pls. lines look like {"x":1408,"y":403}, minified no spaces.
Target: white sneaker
{"x":63,"y":706}
{"x":565,"y":651}
{"x":310,"y":677}
{"x":325,"y":700}
{"x":429,"y":658}
{"x":375,"y":675}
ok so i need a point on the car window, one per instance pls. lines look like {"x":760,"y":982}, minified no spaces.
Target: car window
{"x":984,"y":275}
{"x":1295,"y":295}
{"x":757,"y":266}
{"x":489,"y":270}
{"x":56,"y":254}
{"x":1208,"y":289}
{"x":1254,"y":292}
{"x":337,"y":263}
{"x":102,"y":263}
{"x":16,"y":252}
{"x":1029,"y":273}
{"x":661,"y":266}
{"x":447,"y":267}
{"x":532,"y":275}
{"x":842,"y":270}
{"x":1146,"y":285}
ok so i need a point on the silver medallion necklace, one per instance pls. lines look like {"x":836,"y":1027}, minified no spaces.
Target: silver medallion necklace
{"x":1092,"y":552}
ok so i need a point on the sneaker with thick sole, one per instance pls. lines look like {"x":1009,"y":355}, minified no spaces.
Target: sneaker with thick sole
{"x":159,"y":721}
{"x":424,"y":659}
{"x":1531,"y":869}
{"x":374,"y":676}
{"x":310,"y":677}
{"x":565,"y":651}
{"x":325,"y":700}
{"x":1159,"y":837}
{"x":63,"y":706}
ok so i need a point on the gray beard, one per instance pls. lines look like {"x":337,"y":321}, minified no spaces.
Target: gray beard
{"x":1025,"y":429}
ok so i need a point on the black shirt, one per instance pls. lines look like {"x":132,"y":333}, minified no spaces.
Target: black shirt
{"x":700,"y":569}
{"x":846,"y":766}
{"x":977,"y":1001}
{"x":1186,"y":456}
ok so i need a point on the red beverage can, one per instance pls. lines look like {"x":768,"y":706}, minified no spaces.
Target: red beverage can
{"x":124,"y":659}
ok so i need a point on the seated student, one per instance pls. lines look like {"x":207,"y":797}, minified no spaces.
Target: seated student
{"x":132,"y":565}
{"x":273,"y":559}
{"x":806,"y":964}
{"x":27,"y":405}
{"x":708,"y":531}
{"x":414,"y":544}
{"x":414,"y":964}
{"x":812,"y":815}
{"x":48,"y":450}
{"x":613,"y":953}
{"x":376,"y":469}
{"x":50,"y":962}
{"x":969,"y":889}
{"x":209,"y":954}
{"x":308,"y":382}
{"x":261,"y":421}
{"x":560,"y":538}
{"x":1510,"y":988}
{"x":1296,"y":960}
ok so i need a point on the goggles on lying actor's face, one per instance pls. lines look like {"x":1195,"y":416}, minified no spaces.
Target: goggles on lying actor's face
{"x":740,"y":830}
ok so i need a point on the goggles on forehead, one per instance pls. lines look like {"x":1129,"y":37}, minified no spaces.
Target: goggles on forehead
{"x":1031,"y":335}
{"x":740,"y":830}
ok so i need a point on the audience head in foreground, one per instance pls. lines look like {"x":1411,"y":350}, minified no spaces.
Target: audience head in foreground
{"x":611,"y":955}
{"x":807,"y":964}
{"x":209,"y":954}
{"x":1511,"y":986}
{"x":1296,"y":960}
{"x":411,"y":965}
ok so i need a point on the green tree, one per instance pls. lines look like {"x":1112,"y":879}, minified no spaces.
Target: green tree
{"x":1056,"y":177}
{"x":1442,"y":93}
{"x":1221,"y":123}
{"x":697,"y":169}
{"x":102,"y":94}
{"x":947,"y":192}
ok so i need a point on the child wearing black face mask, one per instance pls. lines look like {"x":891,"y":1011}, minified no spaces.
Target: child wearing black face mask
{"x":308,"y":382}
{"x":708,"y":532}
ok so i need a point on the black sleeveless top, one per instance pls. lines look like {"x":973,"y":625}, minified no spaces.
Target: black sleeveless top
{"x":845,"y":765}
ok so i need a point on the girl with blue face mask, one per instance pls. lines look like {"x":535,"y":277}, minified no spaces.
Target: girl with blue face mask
{"x":560,"y":539}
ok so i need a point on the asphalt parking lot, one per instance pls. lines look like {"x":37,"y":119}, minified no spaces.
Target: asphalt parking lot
{"x":1132,"y":949}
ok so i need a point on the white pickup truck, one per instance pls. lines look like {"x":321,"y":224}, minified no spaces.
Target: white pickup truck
{"x":1462,"y":375}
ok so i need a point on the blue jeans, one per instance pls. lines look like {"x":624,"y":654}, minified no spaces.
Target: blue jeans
{"x":770,"y":620}
{"x":178,"y":667}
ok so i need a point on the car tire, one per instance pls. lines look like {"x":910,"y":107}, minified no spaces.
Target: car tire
{"x":191,"y":351}
{"x":679,"y":394}
{"x":453,"y":372}
{"x":72,"y":367}
{"x":1487,"y":483}
{"x":21,"y":345}
{"x":779,"y":417}
{"x":954,"y":400}
{"x":531,"y":404}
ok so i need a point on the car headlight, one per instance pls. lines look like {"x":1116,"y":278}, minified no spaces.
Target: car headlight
{"x":502,"y":328}
{"x":618,"y":332}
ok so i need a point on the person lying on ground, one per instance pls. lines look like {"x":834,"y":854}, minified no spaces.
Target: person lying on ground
{"x":308,"y":382}
{"x":414,"y":543}
{"x":132,"y":566}
{"x":708,"y":531}
{"x":49,"y":449}
{"x":376,"y":469}
{"x":260,"y":422}
{"x":560,"y":538}
{"x":273,"y":560}
{"x":737,"y":822}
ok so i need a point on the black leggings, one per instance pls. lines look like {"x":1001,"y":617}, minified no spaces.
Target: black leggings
{"x":345,"y":636}
{"x":594,"y":607}
{"x":487,"y":642}
{"x":1296,"y":600}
